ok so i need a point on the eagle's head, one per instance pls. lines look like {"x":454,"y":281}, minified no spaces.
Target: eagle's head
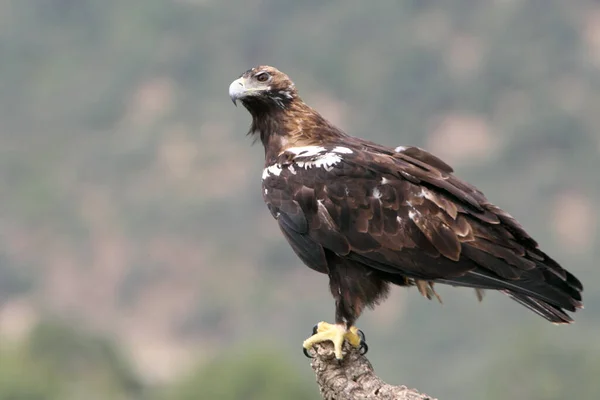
{"x":263,"y":88}
{"x":279,"y":117}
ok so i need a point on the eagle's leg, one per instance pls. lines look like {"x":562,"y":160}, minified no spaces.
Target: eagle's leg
{"x":347,"y":310}
{"x":353,"y":287}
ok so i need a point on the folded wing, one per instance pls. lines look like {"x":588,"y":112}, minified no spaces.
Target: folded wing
{"x":405,"y":215}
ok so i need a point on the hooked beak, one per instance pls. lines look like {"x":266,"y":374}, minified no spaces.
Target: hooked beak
{"x":237,"y":89}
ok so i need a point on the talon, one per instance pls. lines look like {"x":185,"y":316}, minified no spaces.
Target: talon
{"x":306,"y":353}
{"x":363,"y":338}
{"x":315,"y":329}
{"x":364,"y":347}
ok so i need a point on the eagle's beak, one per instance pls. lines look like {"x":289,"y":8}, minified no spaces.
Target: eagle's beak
{"x":237,"y":89}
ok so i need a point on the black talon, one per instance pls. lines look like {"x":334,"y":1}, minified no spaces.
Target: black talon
{"x":363,"y":346}
{"x":306,"y":353}
{"x":314,"y":332}
{"x":315,"y":329}
{"x":362,"y":336}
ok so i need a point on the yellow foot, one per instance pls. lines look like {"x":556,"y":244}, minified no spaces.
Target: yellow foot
{"x":335,"y":333}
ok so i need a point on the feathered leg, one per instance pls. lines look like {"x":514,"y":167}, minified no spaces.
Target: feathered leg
{"x":353,"y":287}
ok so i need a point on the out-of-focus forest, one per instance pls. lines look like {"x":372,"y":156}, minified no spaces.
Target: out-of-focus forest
{"x":137,"y":260}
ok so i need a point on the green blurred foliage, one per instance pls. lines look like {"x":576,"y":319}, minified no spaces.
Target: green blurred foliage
{"x":58,"y":361}
{"x":22,"y":378}
{"x":250,"y":374}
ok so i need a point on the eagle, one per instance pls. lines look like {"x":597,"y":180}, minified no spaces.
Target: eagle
{"x":370,"y":216}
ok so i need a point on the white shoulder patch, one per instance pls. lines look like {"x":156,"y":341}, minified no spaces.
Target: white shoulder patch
{"x":342,"y":150}
{"x":327,"y":161}
{"x":399,"y":149}
{"x":306,"y":151}
{"x":274,"y":169}
{"x":316,"y":156}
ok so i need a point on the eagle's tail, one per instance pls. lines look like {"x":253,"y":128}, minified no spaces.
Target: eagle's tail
{"x":547,"y":289}
{"x":549,"y":297}
{"x":551,"y":312}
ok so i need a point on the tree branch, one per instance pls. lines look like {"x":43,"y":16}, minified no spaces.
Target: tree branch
{"x":353,"y":378}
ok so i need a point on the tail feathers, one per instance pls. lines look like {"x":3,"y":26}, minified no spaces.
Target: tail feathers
{"x":547,"y":298}
{"x":550,"y":312}
{"x":569,"y":286}
{"x":574,"y":282}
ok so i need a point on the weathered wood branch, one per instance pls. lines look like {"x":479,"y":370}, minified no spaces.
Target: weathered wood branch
{"x":353,"y":378}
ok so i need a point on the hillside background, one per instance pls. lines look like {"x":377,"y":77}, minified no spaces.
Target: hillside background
{"x":137,"y":260}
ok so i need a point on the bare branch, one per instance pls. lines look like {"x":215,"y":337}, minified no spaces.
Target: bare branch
{"x":353,"y":378}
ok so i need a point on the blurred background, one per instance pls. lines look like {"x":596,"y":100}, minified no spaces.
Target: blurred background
{"x":137,"y":260}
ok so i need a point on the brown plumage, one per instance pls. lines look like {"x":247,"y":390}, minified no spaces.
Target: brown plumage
{"x":368,"y":215}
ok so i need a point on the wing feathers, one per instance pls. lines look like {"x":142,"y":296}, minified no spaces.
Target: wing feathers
{"x":307,"y":250}
{"x":439,"y":234}
{"x":404,"y":215}
{"x":426,"y":159}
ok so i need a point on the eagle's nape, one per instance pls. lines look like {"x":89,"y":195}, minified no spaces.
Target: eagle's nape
{"x":370,"y":216}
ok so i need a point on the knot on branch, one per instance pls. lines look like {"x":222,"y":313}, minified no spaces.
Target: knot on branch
{"x":353,"y":377}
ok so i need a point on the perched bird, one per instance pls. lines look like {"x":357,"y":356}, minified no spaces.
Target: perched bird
{"x":369,"y":216}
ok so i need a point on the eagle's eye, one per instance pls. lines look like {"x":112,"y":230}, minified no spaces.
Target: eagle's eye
{"x":262,"y":76}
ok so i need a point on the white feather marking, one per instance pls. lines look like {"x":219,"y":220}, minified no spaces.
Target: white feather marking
{"x":306,"y":151}
{"x":292,"y":170}
{"x":399,"y":149}
{"x":412,"y":214}
{"x":274,"y":169}
{"x":285,"y":93}
{"x":324,"y":216}
{"x":427,"y":194}
{"x":342,"y":150}
{"x":399,"y":220}
{"x":376,"y":193}
{"x":385,"y":181}
{"x":327,"y":161}
{"x":266,"y":191}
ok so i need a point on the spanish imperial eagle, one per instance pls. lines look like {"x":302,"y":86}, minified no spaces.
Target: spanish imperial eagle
{"x":369,"y":216}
